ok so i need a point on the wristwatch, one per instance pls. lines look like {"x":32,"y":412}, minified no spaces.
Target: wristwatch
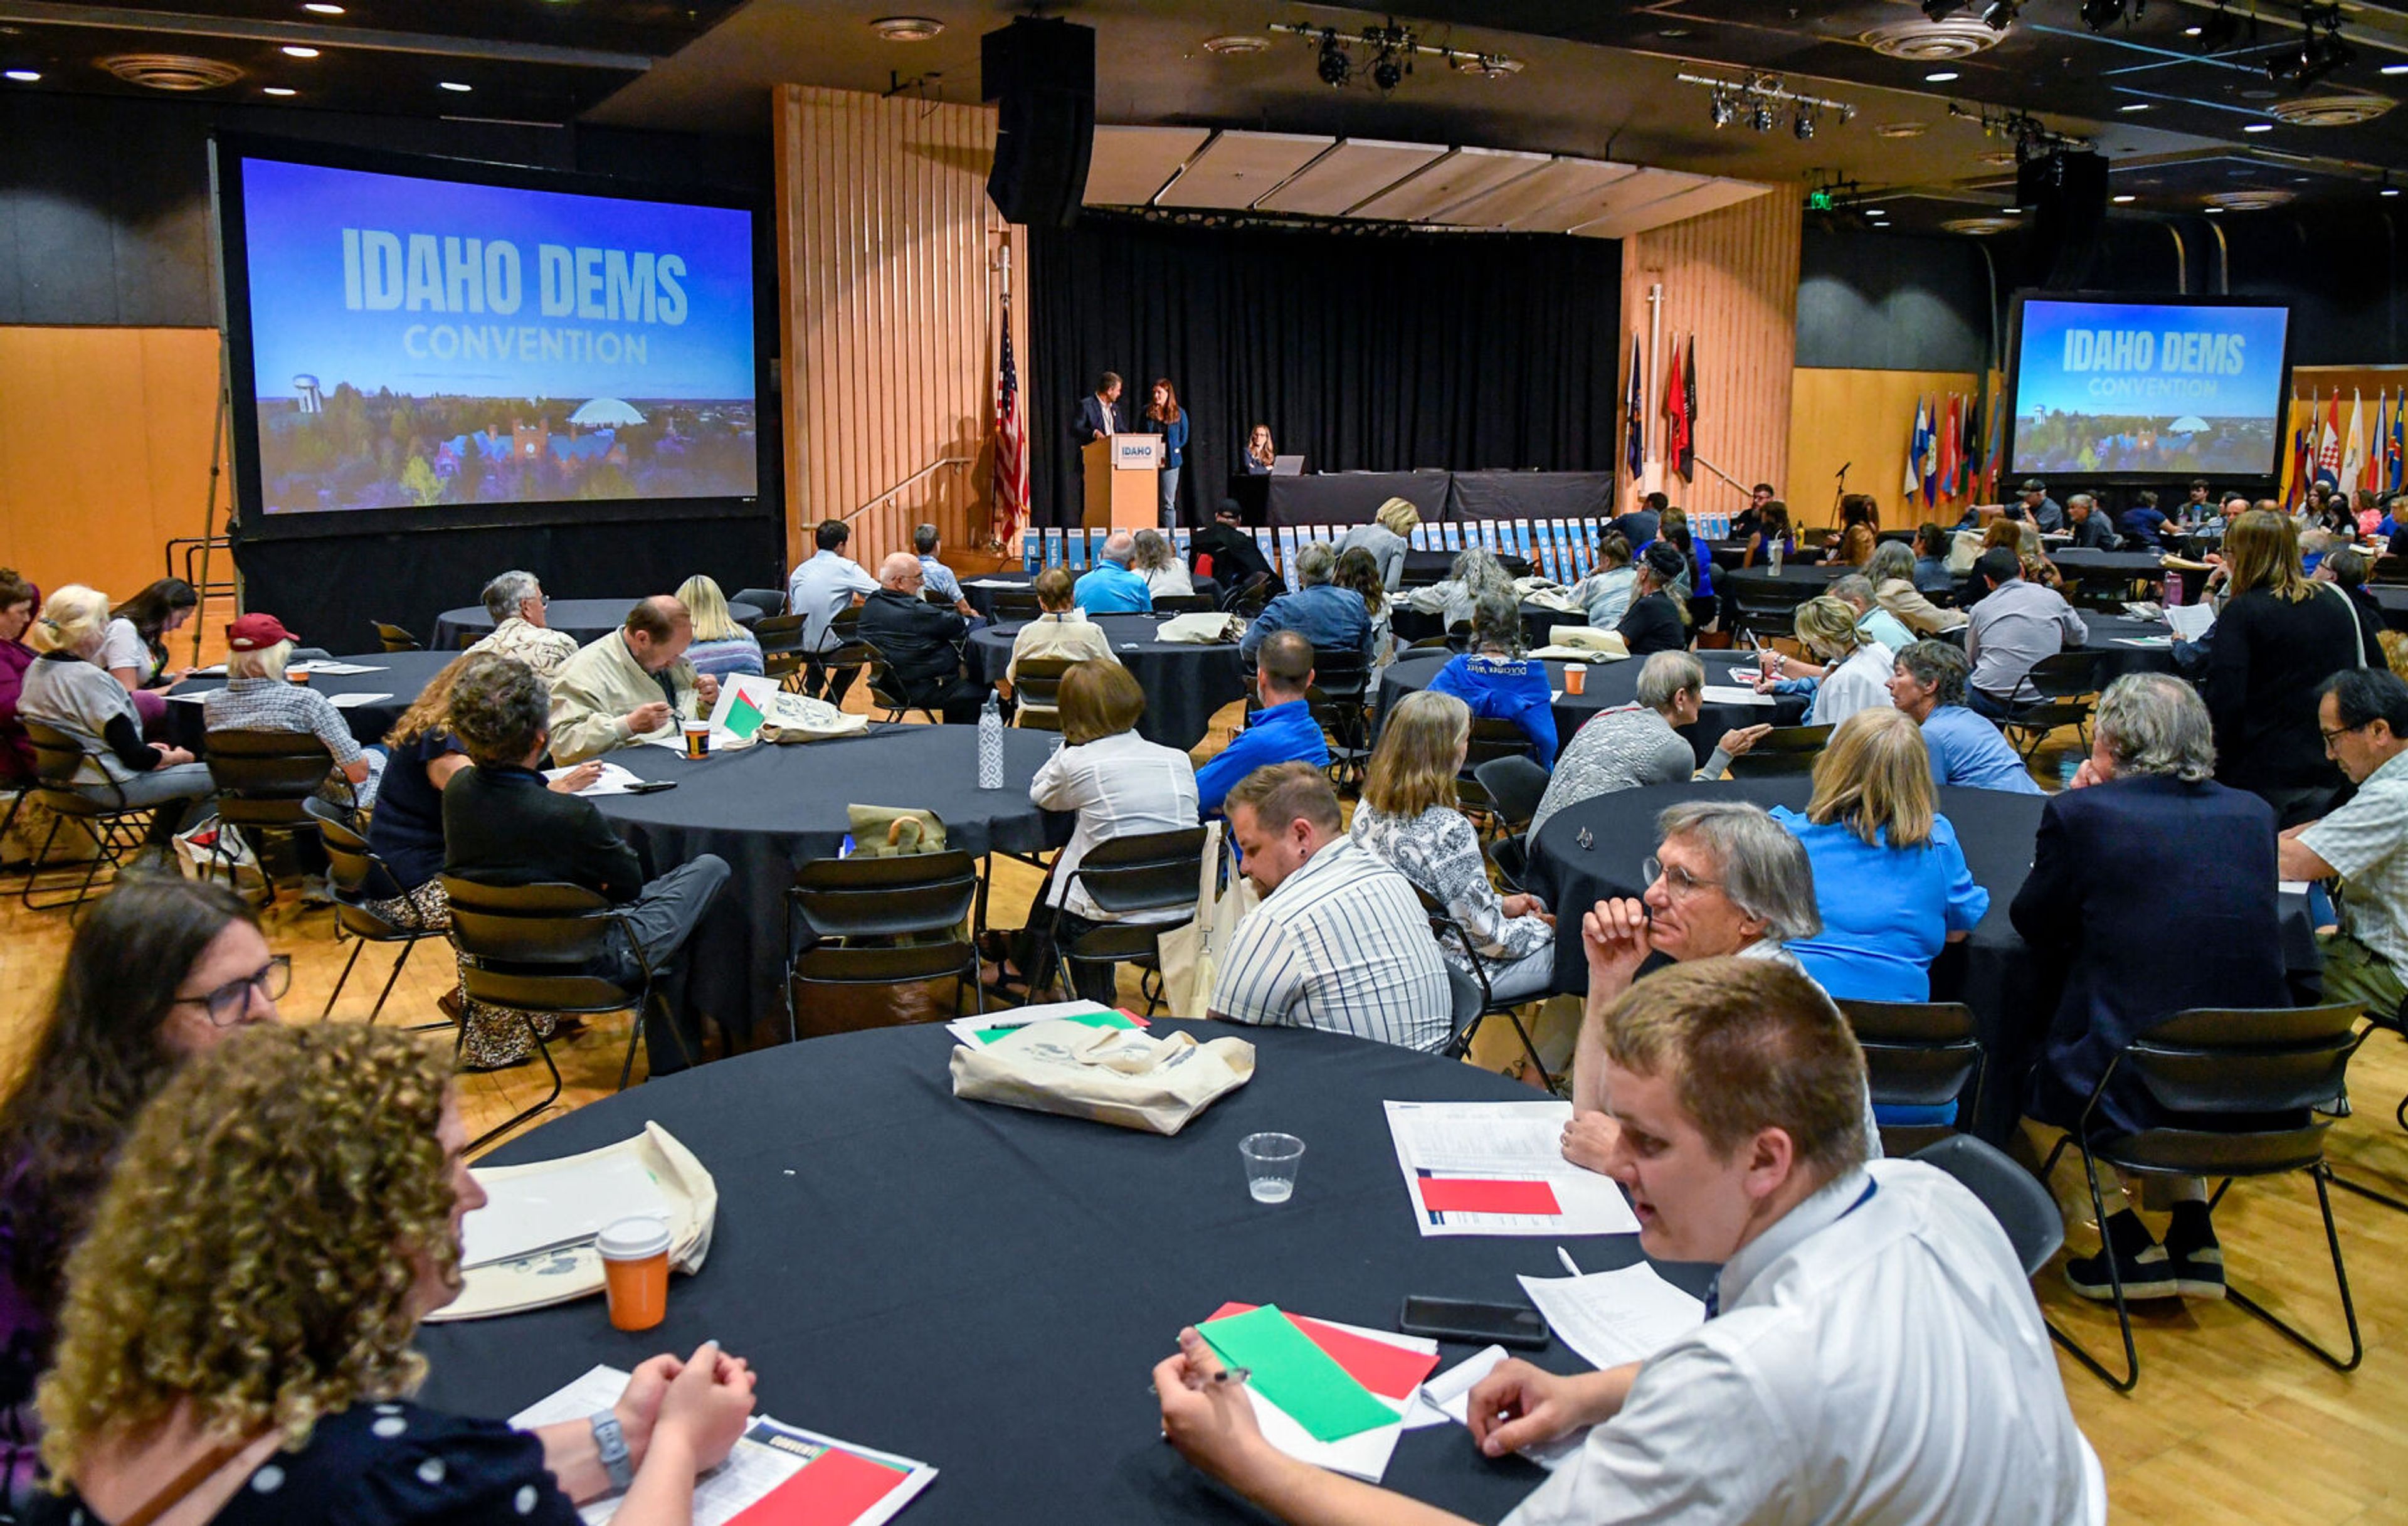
{"x":612,"y":1443}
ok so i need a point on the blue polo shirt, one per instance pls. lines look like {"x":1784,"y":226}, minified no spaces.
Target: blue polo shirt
{"x":1275,"y":734}
{"x":1512,"y":689}
{"x":1111,"y":588}
{"x":1886,"y":912}
{"x":1967,"y":751}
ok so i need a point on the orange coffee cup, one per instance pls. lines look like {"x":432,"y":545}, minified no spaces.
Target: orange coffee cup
{"x":297,"y":675}
{"x":698,"y":739}
{"x":1575,"y":678}
{"x":635,"y":1271}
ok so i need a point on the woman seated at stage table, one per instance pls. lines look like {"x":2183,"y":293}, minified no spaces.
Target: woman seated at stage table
{"x":1259,"y":453}
{"x":1605,"y":593}
{"x":1409,"y":817}
{"x":258,"y":697}
{"x":1655,"y":621}
{"x":1771,"y":529}
{"x":1854,"y":671}
{"x":66,"y":689}
{"x":1892,"y":573}
{"x":1358,"y":572}
{"x":1388,"y":538}
{"x":1475,"y":571}
{"x":720,"y":645}
{"x":1154,"y":561}
{"x":1497,"y":681}
{"x":135,"y":650}
{"x":407,"y":835}
{"x":1059,"y":630}
{"x":262,"y":1374}
{"x":120,"y":1024}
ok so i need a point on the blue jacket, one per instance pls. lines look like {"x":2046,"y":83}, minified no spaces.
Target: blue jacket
{"x":1276,"y":734}
{"x":1967,"y":751}
{"x":1109,"y":588}
{"x":1174,"y":440}
{"x":1504,"y":689}
{"x":1324,"y":614}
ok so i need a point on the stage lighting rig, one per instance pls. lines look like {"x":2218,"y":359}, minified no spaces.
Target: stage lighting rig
{"x":2319,"y":53}
{"x":2032,"y":136}
{"x":1804,"y":124}
{"x":2099,"y":15}
{"x":1336,"y":64}
{"x":2223,"y":29}
{"x":1940,"y":10}
{"x":1999,"y":15}
{"x":1388,"y":51}
{"x":1763,"y":98}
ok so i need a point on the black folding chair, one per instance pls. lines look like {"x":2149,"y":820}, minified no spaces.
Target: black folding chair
{"x":2019,"y":1200}
{"x":1918,"y":1054}
{"x":886,"y":688}
{"x":266,"y":781}
{"x":1249,"y":597}
{"x":1339,"y":699}
{"x":1037,"y":682}
{"x":548,"y":949}
{"x":352,"y":870}
{"x":883,"y":922}
{"x":1783,"y":751}
{"x":394,"y":639}
{"x":2209,"y":1064}
{"x":1490,"y":740}
{"x":109,"y":819}
{"x":1514,"y":786}
{"x":831,"y":669}
{"x":1126,"y":877}
{"x":1448,"y":931}
{"x":1181,"y":604}
{"x":2060,"y":690}
{"x":782,"y":645}
{"x":1013,"y":604}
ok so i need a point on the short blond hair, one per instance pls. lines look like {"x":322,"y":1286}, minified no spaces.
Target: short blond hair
{"x":1413,"y":768}
{"x":1398,"y":516}
{"x":260,"y":662}
{"x":253,"y":1252}
{"x":1826,"y":626}
{"x":1874,"y":775}
{"x":73,"y":617}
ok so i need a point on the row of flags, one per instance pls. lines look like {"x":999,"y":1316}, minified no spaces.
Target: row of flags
{"x":2356,"y":460}
{"x":1680,"y":411}
{"x":1948,"y":452}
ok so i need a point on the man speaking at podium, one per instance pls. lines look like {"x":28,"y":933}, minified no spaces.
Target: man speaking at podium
{"x":1099,"y":414}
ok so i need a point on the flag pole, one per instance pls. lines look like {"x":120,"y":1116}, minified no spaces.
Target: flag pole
{"x":1655,"y":361}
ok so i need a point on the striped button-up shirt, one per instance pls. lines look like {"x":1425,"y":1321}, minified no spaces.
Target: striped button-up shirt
{"x":1342,"y":944}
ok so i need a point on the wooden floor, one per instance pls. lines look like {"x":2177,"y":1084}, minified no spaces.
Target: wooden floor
{"x":2231,"y":1423}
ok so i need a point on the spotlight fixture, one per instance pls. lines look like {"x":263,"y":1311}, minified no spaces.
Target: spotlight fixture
{"x":1999,"y":15}
{"x":2099,"y":15}
{"x":2320,"y":51}
{"x":1388,"y":71}
{"x":1336,"y":65}
{"x":1390,"y":49}
{"x":2221,"y":29}
{"x":1940,"y":10}
{"x":1804,"y":123}
{"x":1723,"y":110}
{"x":1760,"y":116}
{"x":1765,"y":100}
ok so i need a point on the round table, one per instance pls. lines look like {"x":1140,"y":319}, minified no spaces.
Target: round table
{"x":1538,"y":621}
{"x":2393,"y":597}
{"x":2110,"y":566}
{"x":1992,"y":971}
{"x":986,"y":1289}
{"x":1614,"y":683}
{"x":769,"y":809}
{"x":1185,"y":683}
{"x":587,"y":619}
{"x":2113,"y":636}
{"x":398,"y":677}
{"x":983,"y":599}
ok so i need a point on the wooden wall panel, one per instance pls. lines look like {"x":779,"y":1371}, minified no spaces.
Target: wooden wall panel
{"x":1730,"y":278}
{"x":893,"y":264}
{"x":104,"y":450}
{"x":1860,"y":419}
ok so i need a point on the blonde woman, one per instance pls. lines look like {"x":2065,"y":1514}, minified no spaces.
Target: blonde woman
{"x":1154,"y":561}
{"x":1409,"y":818}
{"x":67,"y":690}
{"x":720,"y":646}
{"x":2279,"y":637}
{"x":262,"y":1374}
{"x":1388,"y":538}
{"x":1850,"y":671}
{"x":1891,"y":881}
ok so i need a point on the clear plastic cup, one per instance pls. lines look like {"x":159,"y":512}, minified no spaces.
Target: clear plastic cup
{"x":1271,"y":1162}
{"x":635,"y":1271}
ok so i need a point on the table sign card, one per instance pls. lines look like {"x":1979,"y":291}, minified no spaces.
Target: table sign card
{"x":1498,"y":1168}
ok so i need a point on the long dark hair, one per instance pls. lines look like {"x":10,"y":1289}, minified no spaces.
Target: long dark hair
{"x":98,"y":1062}
{"x":1164,"y":412}
{"x":150,"y":609}
{"x":1358,"y":570}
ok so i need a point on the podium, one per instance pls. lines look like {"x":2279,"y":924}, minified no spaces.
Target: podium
{"x":1123,"y":476}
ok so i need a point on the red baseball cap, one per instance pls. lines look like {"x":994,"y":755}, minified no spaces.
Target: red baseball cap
{"x":250,"y":632}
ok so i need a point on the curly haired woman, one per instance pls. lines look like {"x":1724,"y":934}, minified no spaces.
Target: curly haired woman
{"x":313,"y":1183}
{"x":161,"y":970}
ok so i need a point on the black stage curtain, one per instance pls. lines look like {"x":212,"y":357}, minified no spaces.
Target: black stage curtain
{"x":1363,"y":352}
{"x":329,"y":591}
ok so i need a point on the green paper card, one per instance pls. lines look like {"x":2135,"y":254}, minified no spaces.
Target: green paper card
{"x":1296,"y":1375}
{"x":742,"y":718}
{"x":1092,"y":1019}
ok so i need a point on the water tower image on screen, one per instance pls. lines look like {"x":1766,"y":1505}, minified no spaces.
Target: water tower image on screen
{"x":422,"y":343}
{"x":2146,"y":387}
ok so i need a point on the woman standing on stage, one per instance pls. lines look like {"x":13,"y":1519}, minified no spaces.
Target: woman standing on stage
{"x":1171,"y":423}
{"x":1260,"y":452}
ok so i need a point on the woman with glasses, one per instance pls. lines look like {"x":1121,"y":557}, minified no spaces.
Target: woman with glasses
{"x":160,"y":971}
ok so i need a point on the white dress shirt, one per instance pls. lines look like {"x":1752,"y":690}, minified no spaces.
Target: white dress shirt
{"x":1342,"y":945}
{"x":1879,"y":1360}
{"x":1861,"y":683}
{"x":1122,"y":785}
{"x":823,"y":588}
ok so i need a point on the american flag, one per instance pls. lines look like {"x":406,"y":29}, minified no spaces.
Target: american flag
{"x":1010,"y":497}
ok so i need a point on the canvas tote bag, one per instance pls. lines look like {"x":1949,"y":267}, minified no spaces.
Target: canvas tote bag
{"x":1190,"y":954}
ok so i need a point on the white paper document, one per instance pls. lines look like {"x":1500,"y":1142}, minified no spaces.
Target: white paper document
{"x":2157,"y":642}
{"x":2191,"y":621}
{"x":527,"y":1214}
{"x":333,"y":669}
{"x":972,"y":1031}
{"x":769,"y":1453}
{"x":614,"y":780}
{"x":354,"y":701}
{"x":192,"y":697}
{"x":1498,"y":1168}
{"x":995,"y":582}
{"x":1448,"y":1397}
{"x":1611,"y":1318}
{"x":1725,"y":694}
{"x":1364,"y":1454}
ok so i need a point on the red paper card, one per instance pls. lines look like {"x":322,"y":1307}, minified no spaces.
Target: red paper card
{"x":833,"y":1489}
{"x":1465,"y":1195}
{"x":1390,"y":1371}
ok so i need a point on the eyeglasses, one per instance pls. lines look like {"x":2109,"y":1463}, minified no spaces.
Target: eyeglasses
{"x":1678,"y":883}
{"x":2340,"y":731}
{"x":228,"y":1004}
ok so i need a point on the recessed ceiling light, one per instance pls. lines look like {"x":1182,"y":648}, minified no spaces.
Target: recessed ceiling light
{"x":2133,"y":106}
{"x":2211,"y":208}
{"x":454,"y":84}
{"x":2257,"y":127}
{"x":1676,"y":33}
{"x":320,"y":8}
{"x":25,"y":77}
{"x":1940,"y":77}
{"x":907,"y":28}
{"x":2395,"y":68}
{"x":2123,"y":201}
{"x":292,"y":51}
{"x":2193,"y":31}
{"x":278,"y":90}
{"x":1234,"y":43}
{"x":2012,"y":211}
{"x":1900,"y":129}
{"x":2389,"y":191}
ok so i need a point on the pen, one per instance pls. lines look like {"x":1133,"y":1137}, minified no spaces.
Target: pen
{"x":1570,"y":1265}
{"x":1227,"y":1374}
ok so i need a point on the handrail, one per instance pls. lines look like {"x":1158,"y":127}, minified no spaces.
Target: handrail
{"x":940,"y":461}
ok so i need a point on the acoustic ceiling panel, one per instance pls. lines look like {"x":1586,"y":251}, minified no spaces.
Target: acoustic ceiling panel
{"x":1691,"y":201}
{"x":1448,"y":183}
{"x":1236,"y":167}
{"x":1129,"y":165}
{"x":1355,"y":170}
{"x":1562,"y":180}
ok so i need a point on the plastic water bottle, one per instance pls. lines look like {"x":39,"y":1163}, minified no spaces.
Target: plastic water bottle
{"x":991,"y":745}
{"x":1772,"y":548}
{"x":2173,"y":588}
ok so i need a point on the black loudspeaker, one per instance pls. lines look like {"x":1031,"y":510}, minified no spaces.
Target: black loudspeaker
{"x":2066,"y":192}
{"x":1043,"y":69}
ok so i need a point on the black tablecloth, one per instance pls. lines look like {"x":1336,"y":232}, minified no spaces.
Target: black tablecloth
{"x":767,"y":810}
{"x":1184,"y":682}
{"x":1531,"y":495}
{"x":1609,"y":684}
{"x":2109,"y":636}
{"x":1990,"y":971}
{"x":1797,"y":583}
{"x":986,"y":1289}
{"x":400,"y":675}
{"x":587,"y":619}
{"x":1411,"y":624}
{"x":1352,"y":498}
{"x":2394,"y":599}
{"x":2110,"y":566}
{"x":983,"y":599}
